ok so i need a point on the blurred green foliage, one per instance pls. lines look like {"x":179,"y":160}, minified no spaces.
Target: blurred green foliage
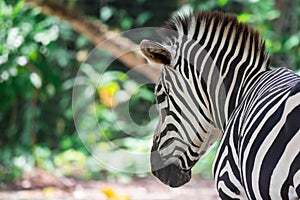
{"x":40,"y":56}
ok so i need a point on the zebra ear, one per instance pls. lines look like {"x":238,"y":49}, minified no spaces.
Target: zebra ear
{"x":155,"y":52}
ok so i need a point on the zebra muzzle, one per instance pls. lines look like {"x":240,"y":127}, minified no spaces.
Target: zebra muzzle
{"x":170,"y":174}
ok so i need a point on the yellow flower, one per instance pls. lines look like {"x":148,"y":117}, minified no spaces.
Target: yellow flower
{"x":107,"y":93}
{"x":110,"y":194}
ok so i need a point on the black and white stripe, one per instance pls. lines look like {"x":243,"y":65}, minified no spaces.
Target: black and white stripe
{"x":216,"y":83}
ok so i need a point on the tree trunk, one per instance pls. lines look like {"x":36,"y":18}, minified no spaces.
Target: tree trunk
{"x":287,"y":25}
{"x":97,"y":32}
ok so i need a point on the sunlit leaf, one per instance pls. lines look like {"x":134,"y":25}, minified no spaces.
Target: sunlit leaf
{"x":142,"y":18}
{"x":146,"y":94}
{"x":36,"y":80}
{"x":14,"y":39}
{"x":47,"y":36}
{"x":222,"y":2}
{"x":106,"y":13}
{"x":126,"y":23}
{"x":22,"y":60}
{"x":292,"y":42}
{"x":273,"y":14}
{"x":130,"y":86}
{"x":244,"y":17}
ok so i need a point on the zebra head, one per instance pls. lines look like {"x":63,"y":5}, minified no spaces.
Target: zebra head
{"x":185,"y":129}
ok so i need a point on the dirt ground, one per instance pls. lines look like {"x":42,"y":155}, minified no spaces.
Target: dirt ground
{"x":43,"y":187}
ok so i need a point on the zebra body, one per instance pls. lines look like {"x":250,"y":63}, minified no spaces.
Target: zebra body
{"x":216,"y":83}
{"x":258,"y":157}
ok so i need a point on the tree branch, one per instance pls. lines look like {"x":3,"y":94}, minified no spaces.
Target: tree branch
{"x":97,"y":32}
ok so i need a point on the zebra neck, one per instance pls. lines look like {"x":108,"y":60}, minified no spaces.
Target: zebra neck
{"x":226,"y":85}
{"x":225,"y":56}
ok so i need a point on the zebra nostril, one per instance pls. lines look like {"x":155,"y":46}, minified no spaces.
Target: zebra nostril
{"x":155,"y":137}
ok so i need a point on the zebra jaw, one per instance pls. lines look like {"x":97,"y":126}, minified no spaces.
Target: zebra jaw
{"x":169,"y":173}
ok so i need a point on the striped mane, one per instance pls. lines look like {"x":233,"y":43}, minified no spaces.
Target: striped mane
{"x":196,"y":27}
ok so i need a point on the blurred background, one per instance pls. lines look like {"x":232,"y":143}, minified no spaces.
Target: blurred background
{"x":42,"y":46}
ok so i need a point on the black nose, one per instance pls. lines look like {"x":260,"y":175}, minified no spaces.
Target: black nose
{"x":170,"y":174}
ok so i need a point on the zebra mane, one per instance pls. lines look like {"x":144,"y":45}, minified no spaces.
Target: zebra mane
{"x":194,"y":25}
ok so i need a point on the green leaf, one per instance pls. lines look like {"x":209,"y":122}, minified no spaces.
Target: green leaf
{"x":126,"y":23}
{"x":18,"y":8}
{"x":47,"y":36}
{"x":36,"y":80}
{"x":143,"y":18}
{"x":82,"y":41}
{"x":292,"y":42}
{"x":273,"y":14}
{"x":106,"y":13}
{"x":5,"y":10}
{"x":244,"y":17}
{"x":222,"y":2}
{"x":146,"y":94}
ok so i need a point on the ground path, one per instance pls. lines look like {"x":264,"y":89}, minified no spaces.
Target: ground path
{"x":140,"y":189}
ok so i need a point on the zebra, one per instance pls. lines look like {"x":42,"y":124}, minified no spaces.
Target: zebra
{"x":216,"y":84}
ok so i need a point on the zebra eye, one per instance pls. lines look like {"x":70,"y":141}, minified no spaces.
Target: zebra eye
{"x":157,"y":88}
{"x":160,"y":98}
